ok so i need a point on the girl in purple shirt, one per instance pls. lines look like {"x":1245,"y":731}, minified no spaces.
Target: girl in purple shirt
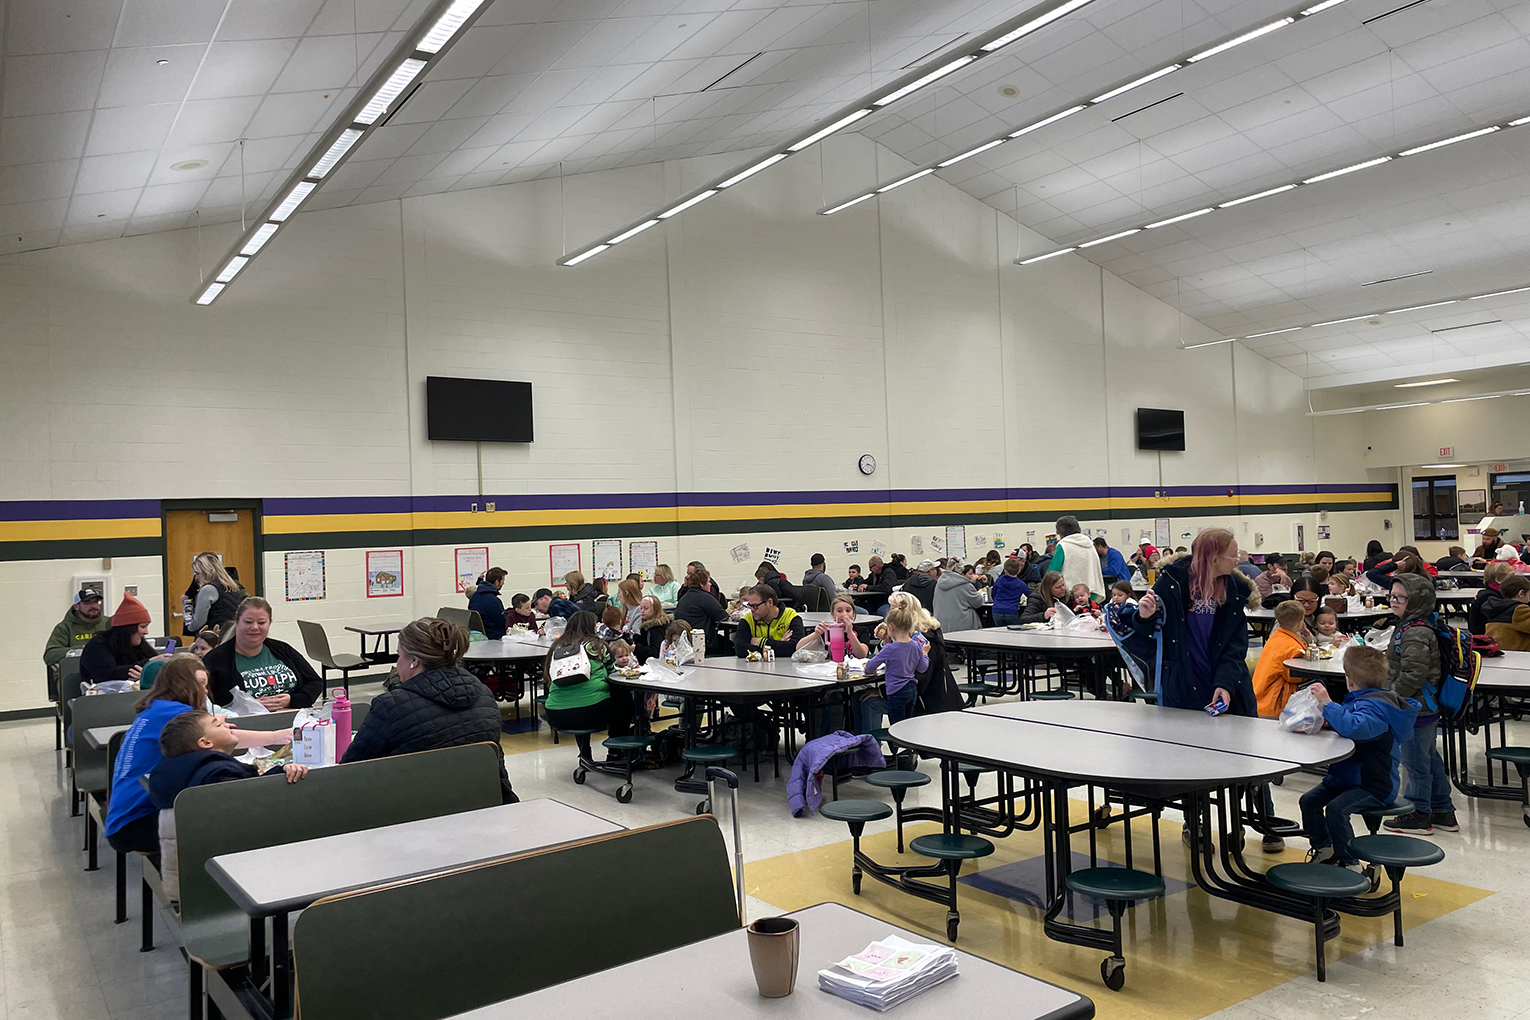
{"x":903,"y":654}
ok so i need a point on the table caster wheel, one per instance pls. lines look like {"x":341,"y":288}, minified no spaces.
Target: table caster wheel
{"x":952,"y":920}
{"x":855,"y":881}
{"x":579,"y":777}
{"x":623,"y":794}
{"x":705,"y":807}
{"x":1113,"y":971}
{"x":1373,"y":874}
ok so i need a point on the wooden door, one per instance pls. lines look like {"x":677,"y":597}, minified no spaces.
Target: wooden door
{"x":188,"y":532}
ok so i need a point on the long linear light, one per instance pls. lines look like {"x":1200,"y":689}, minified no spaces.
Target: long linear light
{"x":1419,"y":403}
{"x":1209,"y":343}
{"x":438,"y":29}
{"x":1307,"y":182}
{"x":1186,"y":60}
{"x":990,"y":42}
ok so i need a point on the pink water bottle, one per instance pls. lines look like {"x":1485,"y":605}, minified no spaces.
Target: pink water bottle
{"x":340,"y":715}
{"x":837,"y":644}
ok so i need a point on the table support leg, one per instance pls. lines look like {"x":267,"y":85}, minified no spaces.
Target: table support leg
{"x":281,"y":967}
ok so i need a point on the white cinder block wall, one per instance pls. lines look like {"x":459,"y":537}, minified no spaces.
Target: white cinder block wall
{"x":748,"y":346}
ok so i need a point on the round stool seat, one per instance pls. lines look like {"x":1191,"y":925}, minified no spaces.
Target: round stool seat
{"x":967,"y":768}
{"x":950,"y":846}
{"x":709,"y":752}
{"x":1396,"y":809}
{"x":1397,"y":851}
{"x":1140,"y":695}
{"x":973,"y":688}
{"x":582,"y":733}
{"x":881,"y":735}
{"x":900,"y":779}
{"x":1116,"y":883}
{"x":855,"y":810}
{"x":1519,"y":757}
{"x":1052,"y":695}
{"x":1324,"y":880}
{"x":632,"y":743}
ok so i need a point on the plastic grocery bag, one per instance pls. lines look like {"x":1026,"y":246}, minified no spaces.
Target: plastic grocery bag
{"x":109,"y":687}
{"x":1063,"y":618}
{"x":656,"y":670}
{"x":811,"y":650}
{"x":554,"y":627}
{"x":244,"y":703}
{"x":1303,"y":713}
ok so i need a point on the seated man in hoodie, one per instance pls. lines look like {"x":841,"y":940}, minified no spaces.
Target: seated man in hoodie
{"x":1508,"y":614}
{"x":921,"y":584}
{"x":1075,"y":558}
{"x":1376,"y":720}
{"x":957,"y":602}
{"x":485,"y":602}
{"x":198,"y":750}
{"x":818,"y":577}
{"x":1113,"y":566}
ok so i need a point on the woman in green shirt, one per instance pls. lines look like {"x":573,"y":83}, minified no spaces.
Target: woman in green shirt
{"x":271,"y":671}
{"x":664,"y":587}
{"x":587,"y":703}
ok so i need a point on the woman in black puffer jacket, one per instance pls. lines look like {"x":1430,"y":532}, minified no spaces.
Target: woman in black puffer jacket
{"x":438,"y":704}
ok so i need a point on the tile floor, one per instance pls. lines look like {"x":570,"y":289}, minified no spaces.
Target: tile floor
{"x":1467,"y":953}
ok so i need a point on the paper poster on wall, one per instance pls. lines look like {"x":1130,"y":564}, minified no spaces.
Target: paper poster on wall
{"x":853,"y":546}
{"x":998,"y":540}
{"x":740,"y":552}
{"x":879,"y":548}
{"x":304,"y":576}
{"x":385,"y":573}
{"x":643,"y":558}
{"x":1325,"y":532}
{"x":607,"y":558}
{"x":956,"y":541}
{"x":1162,"y":536}
{"x":916,"y":545}
{"x":937,"y":544}
{"x":1099,"y":532}
{"x":470,"y":562}
{"x":562,"y":558}
{"x":772,"y":555}
{"x":979,"y":540}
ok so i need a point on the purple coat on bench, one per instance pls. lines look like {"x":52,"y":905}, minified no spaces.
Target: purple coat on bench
{"x":804,"y":792}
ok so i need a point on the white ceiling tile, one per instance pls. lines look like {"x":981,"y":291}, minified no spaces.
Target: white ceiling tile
{"x":29,"y":217}
{"x":488,"y":96}
{"x":224,"y":191}
{"x":356,"y":174}
{"x":260,"y":155}
{"x":106,"y":205}
{"x":161,"y":22}
{"x":167,"y":198}
{"x":294,"y":113}
{"x":211,"y":120}
{"x":430,"y":102}
{"x":382,"y":193}
{"x":241,"y":68}
{"x":129,"y":128}
{"x":95,"y":230}
{"x":391,"y":141}
{"x":268,"y":19}
{"x":42,"y":139}
{"x":327,"y":62}
{"x":408,"y":168}
{"x":52,"y":82}
{"x":215,"y":154}
{"x":111,"y":173}
{"x":35,"y":182}
{"x":446,"y":136}
{"x":538,"y":46}
{"x":54,"y":26}
{"x":134,"y":77}
{"x":155,"y":224}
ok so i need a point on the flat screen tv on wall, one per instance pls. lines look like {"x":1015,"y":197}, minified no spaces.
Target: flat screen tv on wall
{"x":1158,"y":429}
{"x":477,"y":410}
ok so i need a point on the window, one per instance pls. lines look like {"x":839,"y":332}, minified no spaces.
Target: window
{"x":1509,"y":489}
{"x":1434,"y":509}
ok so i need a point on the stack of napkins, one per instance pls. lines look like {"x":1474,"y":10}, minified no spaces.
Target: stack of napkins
{"x":888,"y":972}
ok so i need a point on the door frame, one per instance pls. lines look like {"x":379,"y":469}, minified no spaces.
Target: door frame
{"x":254,"y":505}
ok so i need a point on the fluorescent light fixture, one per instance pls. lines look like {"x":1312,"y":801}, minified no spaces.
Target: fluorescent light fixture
{"x":854,"y":201}
{"x":1500,"y":293}
{"x":258,"y":239}
{"x":1394,"y":279}
{"x":619,"y":238}
{"x":1517,"y":123}
{"x":1425,"y":382}
{"x":1179,"y":219}
{"x":751,"y":171}
{"x":1335,"y":322}
{"x":1048,"y":255}
{"x":337,"y":151}
{"x":1112,"y":237}
{"x":1273,"y":332}
{"x":1070,"y":111}
{"x":1415,"y":308}
{"x":1309,"y":12}
{"x":1240,"y":40}
{"x":206,"y":297}
{"x":919,"y":83}
{"x":1349,"y":169}
{"x":295,"y":197}
{"x":1133,"y":84}
{"x":448,"y":24}
{"x":911,"y":177}
{"x":1450,"y":141}
{"x":587,"y":254}
{"x":1393,"y":407}
{"x":973,"y":152}
{"x":1253,"y":198}
{"x":231,"y":270}
{"x":1462,"y":400}
{"x":822,"y":133}
{"x":383,"y":98}
{"x":1439,"y":465}
{"x":1209,"y":343}
{"x":1033,"y":24}
{"x":693,"y":200}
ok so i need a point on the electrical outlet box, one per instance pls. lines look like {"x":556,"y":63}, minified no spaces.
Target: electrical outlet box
{"x":489,"y":507}
{"x":473,"y":508}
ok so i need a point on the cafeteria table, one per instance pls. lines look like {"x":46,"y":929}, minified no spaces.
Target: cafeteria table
{"x":1015,"y":649}
{"x":381,"y":632}
{"x":1349,"y":621}
{"x":518,"y":655}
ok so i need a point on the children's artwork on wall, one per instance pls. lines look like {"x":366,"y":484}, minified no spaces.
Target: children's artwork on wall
{"x":879,"y":548}
{"x":998,"y":540}
{"x":937,"y":544}
{"x":385,"y":573}
{"x":740,"y":552}
{"x":772,"y":555}
{"x":471,"y":561}
{"x":1325,"y":532}
{"x":916,"y":545}
{"x":1030,"y":536}
{"x":563,"y":558}
{"x":956,"y":541}
{"x":305,"y":576}
{"x":980,"y":540}
{"x":607,"y":560}
{"x":643,"y":558}
{"x":853,"y":546}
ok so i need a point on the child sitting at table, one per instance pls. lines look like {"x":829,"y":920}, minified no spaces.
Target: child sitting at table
{"x":1082,"y":602}
{"x":1325,"y":629}
{"x":610,"y":626}
{"x":1338,"y":584}
{"x":622,"y":658}
{"x":1273,"y":683}
{"x":1122,"y":591}
{"x":520,"y":613}
{"x":903,"y":654}
{"x":198,"y":751}
{"x":1376,"y":720}
{"x":672,"y":635}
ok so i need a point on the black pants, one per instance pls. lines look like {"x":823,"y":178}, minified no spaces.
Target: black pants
{"x":614,"y":715}
{"x":140,"y":836}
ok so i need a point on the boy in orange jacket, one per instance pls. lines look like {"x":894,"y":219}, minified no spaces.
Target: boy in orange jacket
{"x":1273,"y":684}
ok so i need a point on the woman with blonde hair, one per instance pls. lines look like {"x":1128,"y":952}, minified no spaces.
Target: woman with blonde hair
{"x":579,"y":591}
{"x":664,"y":586}
{"x":629,"y":598}
{"x":213,"y":598}
{"x":937,"y":684}
{"x":653,"y":621}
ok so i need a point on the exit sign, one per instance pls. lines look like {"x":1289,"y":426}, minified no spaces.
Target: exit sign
{"x":1447,"y":452}
{"x":1500,"y":467}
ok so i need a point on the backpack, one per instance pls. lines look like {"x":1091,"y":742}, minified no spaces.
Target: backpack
{"x":1460,"y":666}
{"x":570,"y":666}
{"x":667,"y":746}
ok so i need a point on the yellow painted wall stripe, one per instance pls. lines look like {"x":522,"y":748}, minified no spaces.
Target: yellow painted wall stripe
{"x":59,"y":531}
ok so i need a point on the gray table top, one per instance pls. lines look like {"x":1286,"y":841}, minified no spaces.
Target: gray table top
{"x":1034,"y":641}
{"x":1498,"y":673}
{"x":1323,"y":668}
{"x":811,"y":620}
{"x":1260,"y":738}
{"x":278,"y":879}
{"x":1360,"y":614}
{"x":97,"y":737}
{"x":1458,"y":595}
{"x":713,"y":978}
{"x":1509,"y":660}
{"x":732,"y":681}
{"x":378,"y":627}
{"x":506,"y":650}
{"x":1460,"y":573}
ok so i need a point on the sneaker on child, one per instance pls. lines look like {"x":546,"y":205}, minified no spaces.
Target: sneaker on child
{"x":1417,"y":824}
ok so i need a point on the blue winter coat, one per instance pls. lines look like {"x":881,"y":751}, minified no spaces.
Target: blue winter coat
{"x":1227,"y":651}
{"x":485,"y":602}
{"x":1008,"y":590}
{"x":1114,"y":567}
{"x":1377,"y":721}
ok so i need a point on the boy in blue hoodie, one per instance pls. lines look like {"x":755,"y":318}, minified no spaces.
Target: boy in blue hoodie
{"x":1376,"y":720}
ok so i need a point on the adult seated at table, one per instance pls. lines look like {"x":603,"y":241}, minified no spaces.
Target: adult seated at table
{"x":897,"y":563}
{"x":579,"y":591}
{"x":664,"y":587}
{"x":83,"y":621}
{"x":270,"y":671}
{"x":652,"y":622}
{"x":692,"y":570}
{"x":1075,"y":558}
{"x":1274,"y":580}
{"x":582,"y":699}
{"x":818,"y":577}
{"x":766,"y":573}
{"x":1041,"y":604}
{"x":485,"y":601}
{"x":436,"y":704}
{"x":1034,"y":565}
{"x":766,"y":623}
{"x":120,"y":652}
{"x":1374,"y":554}
{"x":1306,"y":591}
{"x":1487,"y":551}
{"x":921,"y":583}
{"x":1406,"y":561}
{"x":1113,"y":566}
{"x":1508,"y":614}
{"x":548,"y":604}
{"x":1145,"y":556}
{"x":1493,"y":575}
{"x":957,"y":602}
{"x":878,"y":581}
{"x":701,"y":609}
{"x":1247,"y":567}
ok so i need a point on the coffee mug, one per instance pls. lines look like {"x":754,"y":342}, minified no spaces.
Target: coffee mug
{"x":773,"y":950}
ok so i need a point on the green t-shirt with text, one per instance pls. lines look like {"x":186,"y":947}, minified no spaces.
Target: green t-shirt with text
{"x":263,"y":675}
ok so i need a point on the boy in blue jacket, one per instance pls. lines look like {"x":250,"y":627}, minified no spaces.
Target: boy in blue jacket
{"x":1376,"y":720}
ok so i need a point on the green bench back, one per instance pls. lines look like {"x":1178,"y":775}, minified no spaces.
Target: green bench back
{"x":426,"y":948}
{"x":87,"y":713}
{"x":226,"y":818}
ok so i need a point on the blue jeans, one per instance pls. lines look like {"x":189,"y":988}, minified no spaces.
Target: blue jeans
{"x":896,"y":706}
{"x":1428,"y":786}
{"x":1006,"y":619}
{"x":1325,"y":818}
